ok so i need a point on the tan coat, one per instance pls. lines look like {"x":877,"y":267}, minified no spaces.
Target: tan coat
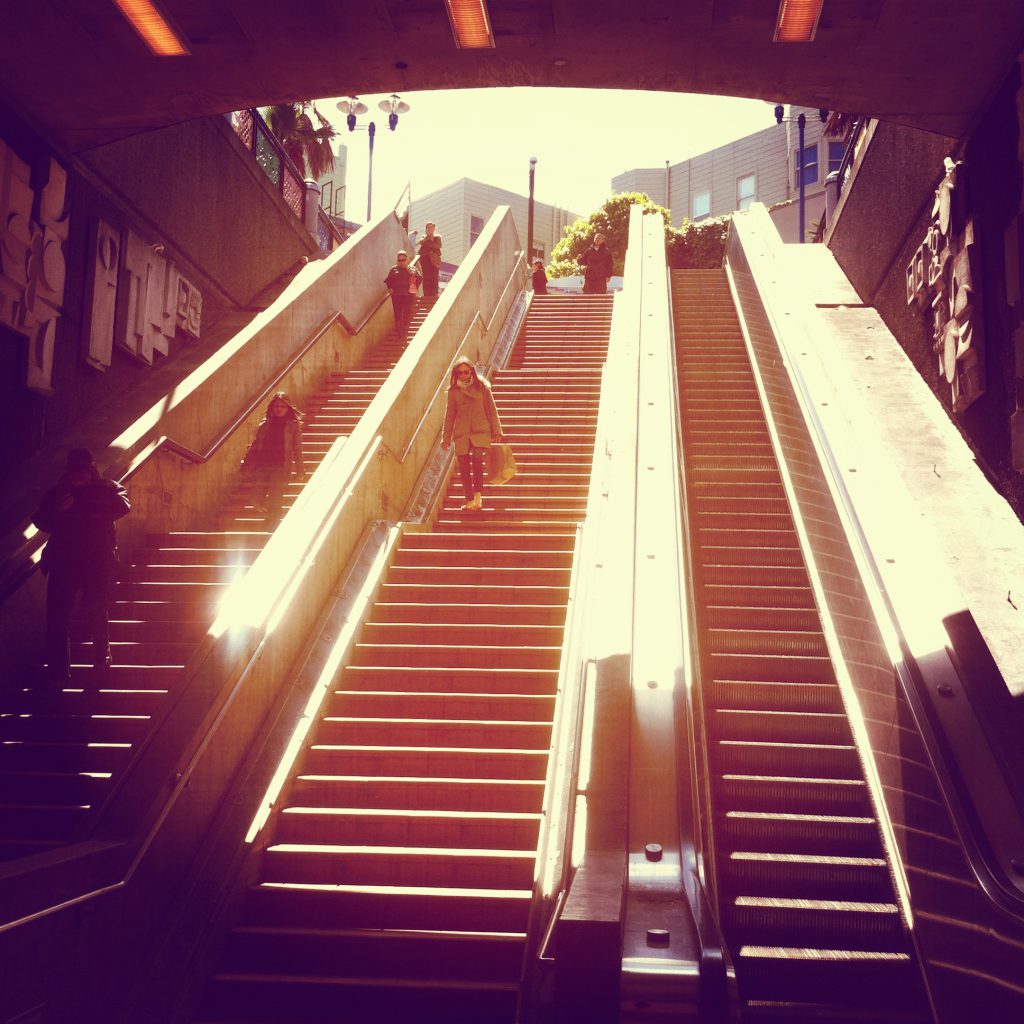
{"x":471,"y":419}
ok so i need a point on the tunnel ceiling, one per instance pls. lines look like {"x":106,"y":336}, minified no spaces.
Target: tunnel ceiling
{"x":78,"y":74}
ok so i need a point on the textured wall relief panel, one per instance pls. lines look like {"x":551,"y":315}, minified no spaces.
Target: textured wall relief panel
{"x":104,"y":256}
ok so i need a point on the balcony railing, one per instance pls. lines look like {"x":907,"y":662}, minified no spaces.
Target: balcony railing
{"x":254,"y":132}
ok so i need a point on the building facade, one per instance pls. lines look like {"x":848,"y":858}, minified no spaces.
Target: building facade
{"x":763,"y":167}
{"x":461,"y":210}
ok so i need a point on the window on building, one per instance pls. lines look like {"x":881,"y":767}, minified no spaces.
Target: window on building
{"x":836,"y":151}
{"x":537,"y":253}
{"x":701,"y":204}
{"x":476,"y":225}
{"x":746,"y":191}
{"x":810,"y":166}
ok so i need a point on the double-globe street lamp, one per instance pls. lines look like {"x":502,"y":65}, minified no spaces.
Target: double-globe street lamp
{"x":352,"y":107}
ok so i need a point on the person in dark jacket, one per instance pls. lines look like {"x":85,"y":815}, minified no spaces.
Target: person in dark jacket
{"x":403,"y":283}
{"x":430,"y":259}
{"x":275,"y":453}
{"x":597,"y":264}
{"x":540,"y":278}
{"x":80,"y":556}
{"x":471,"y":421}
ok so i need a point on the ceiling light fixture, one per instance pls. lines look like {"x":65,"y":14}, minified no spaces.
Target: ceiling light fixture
{"x":798,"y":21}
{"x":471,"y":24}
{"x":152,"y":25}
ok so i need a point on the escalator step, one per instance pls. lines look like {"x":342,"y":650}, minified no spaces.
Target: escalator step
{"x":807,"y":833}
{"x":812,"y":876}
{"x":830,"y":923}
{"x":803,"y":795}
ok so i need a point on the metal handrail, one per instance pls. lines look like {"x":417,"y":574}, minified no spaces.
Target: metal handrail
{"x":287,"y":164}
{"x":25,"y":565}
{"x":176,"y":447}
{"x":850,"y":152}
{"x":575,"y":672}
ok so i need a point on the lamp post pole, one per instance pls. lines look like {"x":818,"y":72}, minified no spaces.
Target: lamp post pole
{"x":801,"y":123}
{"x":371,"y":130}
{"x":529,"y":214}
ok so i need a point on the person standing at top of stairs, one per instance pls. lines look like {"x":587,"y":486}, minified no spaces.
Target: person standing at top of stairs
{"x":472,"y":422}
{"x":430,"y":260}
{"x":403,"y":283}
{"x":597,"y":267}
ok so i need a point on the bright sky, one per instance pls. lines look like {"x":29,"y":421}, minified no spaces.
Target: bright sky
{"x":581,"y":138}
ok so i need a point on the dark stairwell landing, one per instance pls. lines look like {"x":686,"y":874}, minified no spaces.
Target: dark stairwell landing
{"x":396,"y":883}
{"x":806,"y":898}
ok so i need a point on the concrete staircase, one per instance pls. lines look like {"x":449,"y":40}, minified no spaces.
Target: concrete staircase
{"x":805,"y":894}
{"x":397,"y":880}
{"x":64,"y":747}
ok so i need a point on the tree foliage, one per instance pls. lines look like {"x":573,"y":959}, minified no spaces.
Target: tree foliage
{"x":308,"y":147}
{"x":694,"y":246}
{"x":611,"y":219}
{"x":698,"y":245}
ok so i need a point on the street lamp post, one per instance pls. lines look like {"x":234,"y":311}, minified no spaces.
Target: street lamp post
{"x":371,"y":129}
{"x":801,"y":124}
{"x":529,"y":214}
{"x":352,"y":107}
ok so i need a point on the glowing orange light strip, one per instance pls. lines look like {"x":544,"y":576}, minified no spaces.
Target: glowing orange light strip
{"x":798,"y":21}
{"x":470,"y":23}
{"x":153,"y":27}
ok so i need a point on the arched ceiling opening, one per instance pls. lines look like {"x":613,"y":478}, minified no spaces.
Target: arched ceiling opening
{"x":78,"y":73}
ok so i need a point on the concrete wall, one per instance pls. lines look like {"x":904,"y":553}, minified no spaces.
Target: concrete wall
{"x":202,"y":193}
{"x":883,"y":219}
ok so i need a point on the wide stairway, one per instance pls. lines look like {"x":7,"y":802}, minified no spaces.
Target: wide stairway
{"x":805,"y":896}
{"x":397,"y":877}
{"x":64,"y":747}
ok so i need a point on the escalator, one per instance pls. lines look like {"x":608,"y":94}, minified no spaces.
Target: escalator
{"x":397,"y":874}
{"x":805,"y":894}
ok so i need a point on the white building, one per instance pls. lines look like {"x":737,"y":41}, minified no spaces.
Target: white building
{"x":461,"y":210}
{"x":762,"y":167}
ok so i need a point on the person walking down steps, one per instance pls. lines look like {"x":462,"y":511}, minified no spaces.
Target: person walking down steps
{"x":275,"y":452}
{"x":403,"y":284}
{"x":80,"y":557}
{"x":472,"y":424}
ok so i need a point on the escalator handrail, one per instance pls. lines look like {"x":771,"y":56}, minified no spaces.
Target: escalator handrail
{"x":559,"y":818}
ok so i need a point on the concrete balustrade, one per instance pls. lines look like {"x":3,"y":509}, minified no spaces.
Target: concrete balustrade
{"x":338,"y":298}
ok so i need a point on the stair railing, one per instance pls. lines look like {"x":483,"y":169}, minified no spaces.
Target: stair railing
{"x":168,"y":444}
{"x":562,"y":782}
